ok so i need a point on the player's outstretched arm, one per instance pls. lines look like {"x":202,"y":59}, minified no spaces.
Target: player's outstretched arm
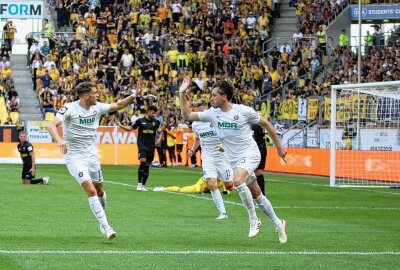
{"x":272,"y":132}
{"x":127,"y":128}
{"x":54,"y":133}
{"x":122,"y":103}
{"x":187,"y":112}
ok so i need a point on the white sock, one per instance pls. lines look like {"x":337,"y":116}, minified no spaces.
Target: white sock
{"x":245,"y":195}
{"x":103,"y":201}
{"x":98,"y":212}
{"x":265,"y":205}
{"x":219,"y":202}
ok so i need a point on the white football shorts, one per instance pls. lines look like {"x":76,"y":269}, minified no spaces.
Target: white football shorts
{"x":217,"y":168}
{"x":84,"y":168}
{"x":248,"y":161}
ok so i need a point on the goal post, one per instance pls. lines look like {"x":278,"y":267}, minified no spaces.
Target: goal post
{"x":365,"y":134}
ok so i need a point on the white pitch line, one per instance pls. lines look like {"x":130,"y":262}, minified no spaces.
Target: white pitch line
{"x":277,"y":207}
{"x":198,"y":252}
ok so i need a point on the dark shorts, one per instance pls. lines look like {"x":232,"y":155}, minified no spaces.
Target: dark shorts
{"x":26,"y":174}
{"x":261,"y":165}
{"x":179,"y":148}
{"x":147,"y":154}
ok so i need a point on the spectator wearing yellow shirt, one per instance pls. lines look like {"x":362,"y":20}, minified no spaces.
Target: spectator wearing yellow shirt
{"x":257,"y":72}
{"x":299,"y":10}
{"x":40,"y":72}
{"x":66,"y":61}
{"x":248,"y":97}
{"x":54,"y":73}
{"x":173,"y":57}
{"x":156,"y":23}
{"x":6,"y":72}
{"x":171,"y":135}
{"x":182,"y":61}
{"x":144,"y":20}
{"x":275,"y":77}
{"x":9,"y":31}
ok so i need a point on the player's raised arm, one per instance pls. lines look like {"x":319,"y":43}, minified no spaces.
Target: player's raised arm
{"x":122,"y":103}
{"x":272,"y":132}
{"x":187,"y":112}
{"x":54,"y":133}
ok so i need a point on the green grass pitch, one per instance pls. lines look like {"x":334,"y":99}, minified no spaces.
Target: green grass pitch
{"x":52,"y":227}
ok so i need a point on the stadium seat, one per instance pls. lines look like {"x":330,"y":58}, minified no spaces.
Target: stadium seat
{"x":49,"y":116}
{"x":3,"y":117}
{"x":14,"y":117}
{"x":3,"y":108}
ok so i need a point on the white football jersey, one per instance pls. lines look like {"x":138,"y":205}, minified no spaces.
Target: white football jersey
{"x":233,"y":128}
{"x":207,"y":134}
{"x":80,"y":125}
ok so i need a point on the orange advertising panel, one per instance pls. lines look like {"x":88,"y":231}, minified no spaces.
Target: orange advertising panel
{"x":373,"y":165}
{"x":299,"y":160}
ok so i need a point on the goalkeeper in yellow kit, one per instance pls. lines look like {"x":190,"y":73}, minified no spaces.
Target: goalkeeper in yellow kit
{"x":200,"y":187}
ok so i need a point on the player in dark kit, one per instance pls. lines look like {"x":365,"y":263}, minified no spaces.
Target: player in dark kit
{"x":259,"y":137}
{"x":27,"y":154}
{"x":148,"y":127}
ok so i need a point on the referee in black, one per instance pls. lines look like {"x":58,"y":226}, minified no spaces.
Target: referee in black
{"x":27,"y":155}
{"x":148,"y":127}
{"x":259,"y":137}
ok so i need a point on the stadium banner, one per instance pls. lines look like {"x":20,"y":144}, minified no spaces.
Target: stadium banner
{"x":350,"y":107}
{"x":21,"y":9}
{"x":264,"y":109}
{"x":288,"y":109}
{"x":302,"y":109}
{"x":312,"y":108}
{"x":377,"y":12}
{"x":37,"y":131}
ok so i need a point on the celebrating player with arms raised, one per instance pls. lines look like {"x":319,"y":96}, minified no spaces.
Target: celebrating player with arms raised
{"x":80,"y":120}
{"x":233,"y":126}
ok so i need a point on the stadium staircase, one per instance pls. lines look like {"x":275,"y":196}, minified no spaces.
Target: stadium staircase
{"x":29,"y":104}
{"x":285,"y":26}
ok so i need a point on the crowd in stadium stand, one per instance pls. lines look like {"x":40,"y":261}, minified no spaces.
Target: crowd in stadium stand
{"x":9,"y":99}
{"x":120,"y":45}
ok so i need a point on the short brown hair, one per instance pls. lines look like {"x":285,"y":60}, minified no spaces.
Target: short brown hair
{"x":84,"y":87}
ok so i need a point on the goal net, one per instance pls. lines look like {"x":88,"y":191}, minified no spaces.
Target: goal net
{"x":365,"y":136}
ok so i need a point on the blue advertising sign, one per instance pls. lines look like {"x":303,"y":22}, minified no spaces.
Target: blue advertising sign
{"x":370,"y":12}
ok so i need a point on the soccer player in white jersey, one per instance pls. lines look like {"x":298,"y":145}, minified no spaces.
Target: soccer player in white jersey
{"x":80,"y":120}
{"x":233,"y":125}
{"x":215,"y":164}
